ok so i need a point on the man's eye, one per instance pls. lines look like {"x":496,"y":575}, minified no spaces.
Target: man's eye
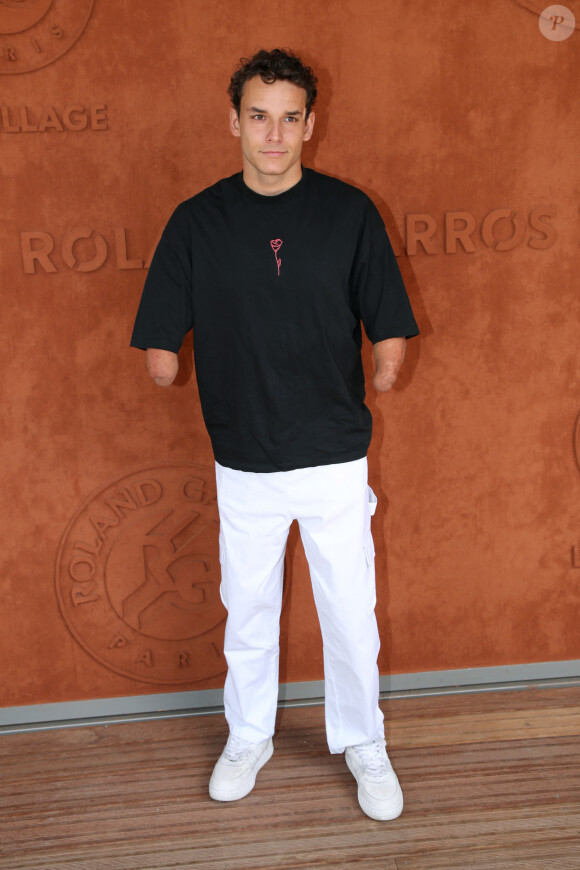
{"x":291,"y":118}
{"x":258,"y":117}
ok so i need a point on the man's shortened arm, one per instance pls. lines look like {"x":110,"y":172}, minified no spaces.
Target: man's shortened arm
{"x":389,"y":355}
{"x":162,"y":366}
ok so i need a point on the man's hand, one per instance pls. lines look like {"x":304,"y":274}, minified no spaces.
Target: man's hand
{"x":389,"y":356}
{"x":162,"y":366}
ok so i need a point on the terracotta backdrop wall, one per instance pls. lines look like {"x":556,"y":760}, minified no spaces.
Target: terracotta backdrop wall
{"x":461,"y":121}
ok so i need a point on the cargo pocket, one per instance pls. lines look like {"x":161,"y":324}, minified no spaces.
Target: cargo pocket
{"x":369,"y":548}
{"x":222,"y":563}
{"x":372,"y":501}
{"x":368,"y":543}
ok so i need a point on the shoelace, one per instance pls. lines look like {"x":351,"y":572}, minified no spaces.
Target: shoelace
{"x":374,"y":757}
{"x":237,"y":748}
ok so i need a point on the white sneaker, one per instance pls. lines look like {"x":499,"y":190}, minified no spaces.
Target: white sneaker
{"x":234,"y":775}
{"x":379,"y":792}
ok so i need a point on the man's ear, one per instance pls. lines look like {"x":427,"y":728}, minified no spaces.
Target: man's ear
{"x":308,"y":127}
{"x":234,"y":123}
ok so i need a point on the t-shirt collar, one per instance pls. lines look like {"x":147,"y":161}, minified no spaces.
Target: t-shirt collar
{"x":279,"y":198}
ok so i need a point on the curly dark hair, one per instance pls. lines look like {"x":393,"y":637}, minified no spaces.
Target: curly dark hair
{"x":280,"y":64}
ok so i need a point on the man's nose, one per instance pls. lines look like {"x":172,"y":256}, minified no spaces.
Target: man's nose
{"x":275,"y":131}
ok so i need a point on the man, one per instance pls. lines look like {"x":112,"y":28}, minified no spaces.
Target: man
{"x":274,"y":269}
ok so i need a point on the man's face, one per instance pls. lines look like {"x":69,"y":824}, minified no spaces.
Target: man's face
{"x":272,"y":126}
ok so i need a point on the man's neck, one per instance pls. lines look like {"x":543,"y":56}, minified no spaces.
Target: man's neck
{"x":270,"y":185}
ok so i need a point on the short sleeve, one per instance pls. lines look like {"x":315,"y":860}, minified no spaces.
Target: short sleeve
{"x":382,"y":301}
{"x":165,"y":312}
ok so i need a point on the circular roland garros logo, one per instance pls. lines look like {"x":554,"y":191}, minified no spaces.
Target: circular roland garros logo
{"x":34,"y":33}
{"x":556,"y":22}
{"x":137,"y":576}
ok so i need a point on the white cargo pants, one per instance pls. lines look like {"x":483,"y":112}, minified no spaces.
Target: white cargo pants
{"x":333,"y":505}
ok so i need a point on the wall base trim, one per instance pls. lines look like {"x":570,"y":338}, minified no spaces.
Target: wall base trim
{"x":167,"y":705}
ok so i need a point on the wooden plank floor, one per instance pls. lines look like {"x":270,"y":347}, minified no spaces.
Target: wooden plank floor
{"x":490,"y":780}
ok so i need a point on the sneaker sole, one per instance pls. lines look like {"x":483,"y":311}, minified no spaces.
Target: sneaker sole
{"x":223,"y":796}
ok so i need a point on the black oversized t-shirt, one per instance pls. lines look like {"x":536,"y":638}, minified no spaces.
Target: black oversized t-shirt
{"x":275,"y":288}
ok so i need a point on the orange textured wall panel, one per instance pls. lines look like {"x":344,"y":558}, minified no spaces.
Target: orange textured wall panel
{"x":461,"y":121}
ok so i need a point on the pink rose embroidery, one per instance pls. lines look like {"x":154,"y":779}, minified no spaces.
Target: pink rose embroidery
{"x":276,"y":244}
